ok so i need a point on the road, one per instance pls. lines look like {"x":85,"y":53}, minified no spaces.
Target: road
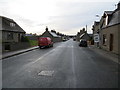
{"x":66,"y":65}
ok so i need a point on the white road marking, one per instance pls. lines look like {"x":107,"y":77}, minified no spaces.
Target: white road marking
{"x":73,"y":68}
{"x":43,"y":56}
{"x":46,"y":73}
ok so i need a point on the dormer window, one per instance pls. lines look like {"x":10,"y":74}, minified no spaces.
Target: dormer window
{"x":12,"y":24}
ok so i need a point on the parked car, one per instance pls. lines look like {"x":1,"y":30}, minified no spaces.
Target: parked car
{"x":45,"y":42}
{"x":64,"y":39}
{"x":83,"y":43}
{"x":74,"y":39}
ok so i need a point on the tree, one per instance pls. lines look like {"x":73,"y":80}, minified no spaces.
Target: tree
{"x":83,"y":29}
{"x":53,"y":31}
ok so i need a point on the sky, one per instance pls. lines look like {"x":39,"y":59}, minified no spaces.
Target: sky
{"x":64,"y":16}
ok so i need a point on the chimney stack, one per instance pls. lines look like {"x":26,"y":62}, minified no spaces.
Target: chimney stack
{"x":46,"y":28}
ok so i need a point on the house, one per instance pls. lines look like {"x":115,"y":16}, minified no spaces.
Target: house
{"x":12,"y":34}
{"x":109,"y":29}
{"x":87,"y":37}
{"x":79,"y":34}
{"x":52,"y":35}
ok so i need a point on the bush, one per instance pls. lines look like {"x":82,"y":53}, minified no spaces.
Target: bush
{"x":24,"y":39}
{"x":33,"y":42}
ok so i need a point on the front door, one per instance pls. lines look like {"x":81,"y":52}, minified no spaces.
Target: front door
{"x":111,"y":42}
{"x":18,"y":37}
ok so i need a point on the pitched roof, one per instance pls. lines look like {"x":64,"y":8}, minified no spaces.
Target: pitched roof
{"x":10,"y":25}
{"x":53,"y":34}
{"x":84,"y":35}
{"x":115,"y":19}
{"x":108,"y":12}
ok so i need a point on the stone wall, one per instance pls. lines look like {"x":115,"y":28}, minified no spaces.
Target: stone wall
{"x":6,"y":47}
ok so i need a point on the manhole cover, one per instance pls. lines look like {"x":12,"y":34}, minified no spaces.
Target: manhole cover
{"x":46,"y":73}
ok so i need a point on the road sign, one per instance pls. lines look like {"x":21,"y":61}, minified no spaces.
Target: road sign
{"x":96,"y":37}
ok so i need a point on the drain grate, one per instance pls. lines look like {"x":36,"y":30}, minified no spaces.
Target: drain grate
{"x":46,"y":73}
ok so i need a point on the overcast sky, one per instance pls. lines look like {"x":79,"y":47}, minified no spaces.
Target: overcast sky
{"x":65,"y":16}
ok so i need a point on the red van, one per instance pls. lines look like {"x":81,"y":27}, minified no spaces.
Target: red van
{"x":45,"y":42}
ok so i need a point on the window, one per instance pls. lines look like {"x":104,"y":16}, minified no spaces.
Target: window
{"x":12,"y":24}
{"x":104,"y":39}
{"x":9,"y":36}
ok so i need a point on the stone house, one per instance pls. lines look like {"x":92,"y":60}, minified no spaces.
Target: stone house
{"x":12,"y":34}
{"x":80,"y":33}
{"x":52,"y":35}
{"x":85,"y":36}
{"x":109,"y":30}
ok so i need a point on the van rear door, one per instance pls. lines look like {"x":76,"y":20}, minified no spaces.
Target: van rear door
{"x":43,"y":41}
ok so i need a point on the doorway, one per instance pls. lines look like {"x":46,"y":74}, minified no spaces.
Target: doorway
{"x":7,"y":47}
{"x":111,"y":41}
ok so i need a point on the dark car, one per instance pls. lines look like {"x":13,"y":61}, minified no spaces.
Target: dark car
{"x":83,"y":43}
{"x":64,"y":39}
{"x":74,"y":39}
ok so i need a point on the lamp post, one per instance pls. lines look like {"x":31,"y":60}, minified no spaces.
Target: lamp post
{"x":97,"y":16}
{"x":97,"y":33}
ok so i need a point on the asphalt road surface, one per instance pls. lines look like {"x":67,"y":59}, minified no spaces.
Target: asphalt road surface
{"x":66,"y":65}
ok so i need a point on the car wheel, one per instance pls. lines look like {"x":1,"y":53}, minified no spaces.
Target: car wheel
{"x":40,"y":47}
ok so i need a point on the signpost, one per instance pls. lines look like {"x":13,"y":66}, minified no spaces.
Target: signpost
{"x":96,"y":38}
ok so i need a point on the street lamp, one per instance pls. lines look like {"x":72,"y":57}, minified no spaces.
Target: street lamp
{"x":97,"y":16}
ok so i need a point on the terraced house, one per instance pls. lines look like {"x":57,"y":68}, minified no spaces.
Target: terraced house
{"x":109,"y":30}
{"x":12,"y":34}
{"x":52,"y":35}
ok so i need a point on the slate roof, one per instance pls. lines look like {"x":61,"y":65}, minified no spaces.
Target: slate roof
{"x":108,"y":12}
{"x":7,"y":27}
{"x":54,"y":34}
{"x":85,"y":36}
{"x":115,"y":19}
{"x":82,"y":35}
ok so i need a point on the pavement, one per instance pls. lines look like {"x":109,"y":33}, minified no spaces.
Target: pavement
{"x":13,"y":53}
{"x":112,"y":56}
{"x":65,"y":65}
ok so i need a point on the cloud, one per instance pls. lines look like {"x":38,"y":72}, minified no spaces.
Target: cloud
{"x":67,"y":16}
{"x":74,"y":16}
